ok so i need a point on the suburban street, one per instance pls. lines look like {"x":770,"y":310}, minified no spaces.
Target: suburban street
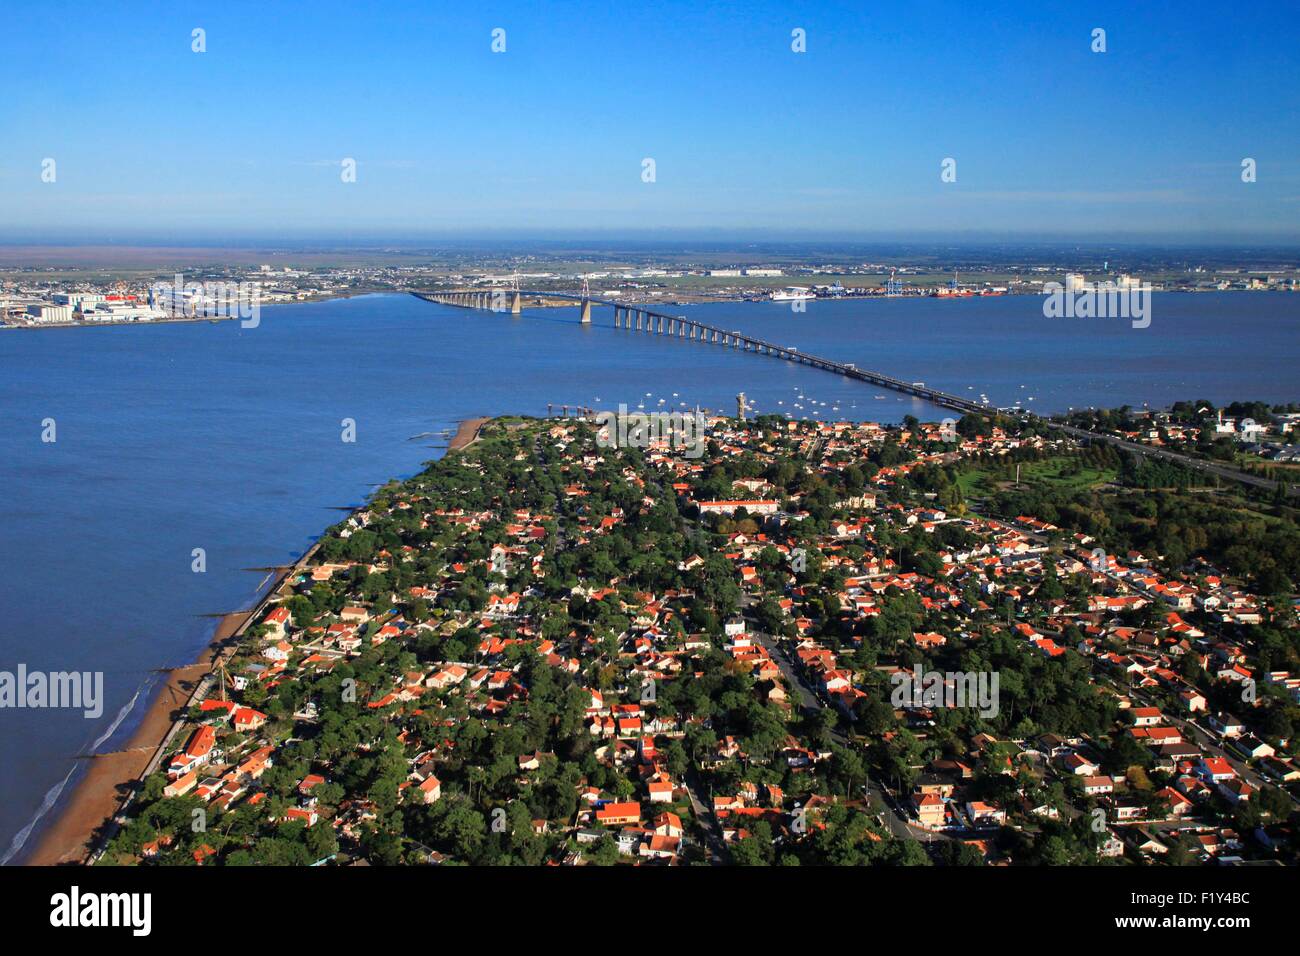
{"x":895,"y":818}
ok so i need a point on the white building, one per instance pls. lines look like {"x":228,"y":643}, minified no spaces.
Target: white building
{"x":50,"y":313}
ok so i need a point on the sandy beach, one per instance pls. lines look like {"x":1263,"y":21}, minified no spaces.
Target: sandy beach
{"x":467,"y":433}
{"x":80,"y":824}
{"x":76,"y":829}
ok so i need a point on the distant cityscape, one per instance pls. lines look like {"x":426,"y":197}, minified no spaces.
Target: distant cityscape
{"x":35,"y":296}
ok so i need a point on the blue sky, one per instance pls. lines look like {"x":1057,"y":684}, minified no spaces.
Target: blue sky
{"x":748,"y":137}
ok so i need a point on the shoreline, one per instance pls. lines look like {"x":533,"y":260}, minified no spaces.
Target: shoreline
{"x":647,"y":302}
{"x":86,"y":818}
{"x":175,"y":320}
{"x":75,"y":830}
{"x":467,"y":433}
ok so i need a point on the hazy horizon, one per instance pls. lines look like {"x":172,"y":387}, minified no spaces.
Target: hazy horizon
{"x":683,"y":238}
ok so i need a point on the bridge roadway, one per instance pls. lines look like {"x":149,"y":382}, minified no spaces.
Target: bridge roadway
{"x":638,"y":319}
{"x":1204,"y":465}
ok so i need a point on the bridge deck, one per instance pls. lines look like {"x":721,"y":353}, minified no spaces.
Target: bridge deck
{"x":739,"y":339}
{"x":676,"y":324}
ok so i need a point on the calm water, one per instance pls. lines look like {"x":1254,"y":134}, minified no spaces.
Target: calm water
{"x":176,"y":437}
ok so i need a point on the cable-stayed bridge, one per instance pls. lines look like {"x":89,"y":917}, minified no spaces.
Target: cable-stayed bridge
{"x":639,"y":319}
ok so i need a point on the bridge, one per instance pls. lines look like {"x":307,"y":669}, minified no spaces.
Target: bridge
{"x":638,"y":319}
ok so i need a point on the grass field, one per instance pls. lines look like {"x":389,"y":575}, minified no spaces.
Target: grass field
{"x":1057,"y":473}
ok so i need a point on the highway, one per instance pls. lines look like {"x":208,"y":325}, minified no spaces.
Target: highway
{"x":1198,"y":464}
{"x":678,"y":326}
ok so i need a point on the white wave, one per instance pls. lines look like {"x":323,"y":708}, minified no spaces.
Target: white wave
{"x":52,"y":795}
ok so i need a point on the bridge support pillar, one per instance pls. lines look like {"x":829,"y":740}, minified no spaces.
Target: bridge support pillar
{"x":584,"y":315}
{"x":516,"y":304}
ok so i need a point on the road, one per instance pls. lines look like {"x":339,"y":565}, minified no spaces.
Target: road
{"x":895,"y":819}
{"x":705,"y":820}
{"x":1198,"y":735}
{"x":1198,"y":464}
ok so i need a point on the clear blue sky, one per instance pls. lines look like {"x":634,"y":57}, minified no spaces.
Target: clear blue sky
{"x":748,"y":136}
